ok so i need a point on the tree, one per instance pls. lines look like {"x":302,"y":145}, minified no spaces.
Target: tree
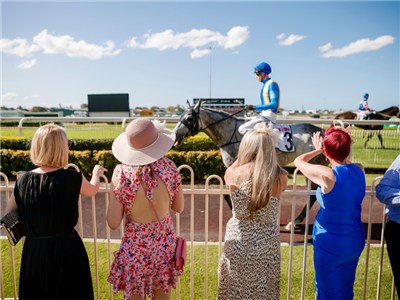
{"x":180,"y":108}
{"x":84,"y":105}
{"x":137,"y":107}
{"x":154,"y":108}
{"x":21,"y":108}
{"x":38,"y":109}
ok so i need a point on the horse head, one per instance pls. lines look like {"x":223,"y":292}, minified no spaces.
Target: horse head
{"x":189,"y":123}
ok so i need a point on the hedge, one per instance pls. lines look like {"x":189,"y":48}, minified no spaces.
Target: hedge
{"x":25,"y":124}
{"x":191,"y":144}
{"x":204,"y":163}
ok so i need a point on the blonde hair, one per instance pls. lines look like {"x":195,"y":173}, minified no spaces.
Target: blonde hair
{"x":50,"y":146}
{"x":258,"y":149}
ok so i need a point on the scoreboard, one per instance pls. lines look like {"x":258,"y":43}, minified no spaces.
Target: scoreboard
{"x":229,"y":105}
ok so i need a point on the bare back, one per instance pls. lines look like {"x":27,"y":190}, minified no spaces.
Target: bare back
{"x":142,"y":211}
{"x":235,"y":175}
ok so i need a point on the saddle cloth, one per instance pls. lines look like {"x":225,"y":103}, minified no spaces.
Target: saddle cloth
{"x":285,"y":143}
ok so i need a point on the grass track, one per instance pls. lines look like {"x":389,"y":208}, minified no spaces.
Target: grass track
{"x":199,"y":254}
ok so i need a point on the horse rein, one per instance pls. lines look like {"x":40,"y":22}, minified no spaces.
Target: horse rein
{"x":197,"y":118}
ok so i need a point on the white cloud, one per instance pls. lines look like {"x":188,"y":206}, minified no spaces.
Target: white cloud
{"x":19,"y":47}
{"x":281,"y":36}
{"x":193,"y":39}
{"x":66,"y":45}
{"x":326,"y":47}
{"x":8,"y":96}
{"x":199,"y":53}
{"x":235,"y":52}
{"x":31,"y":96}
{"x":236,"y":37}
{"x":362,"y":45}
{"x":293,"y":38}
{"x":27,"y":64}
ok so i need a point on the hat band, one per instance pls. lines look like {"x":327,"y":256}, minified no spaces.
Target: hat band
{"x":158,"y":136}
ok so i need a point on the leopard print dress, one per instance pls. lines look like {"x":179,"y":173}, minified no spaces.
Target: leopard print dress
{"x":249,"y":267}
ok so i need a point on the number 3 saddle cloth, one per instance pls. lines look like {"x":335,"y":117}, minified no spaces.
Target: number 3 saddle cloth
{"x":285,"y":143}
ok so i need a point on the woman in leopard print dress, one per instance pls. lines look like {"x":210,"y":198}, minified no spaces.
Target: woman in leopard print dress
{"x":250,"y":264}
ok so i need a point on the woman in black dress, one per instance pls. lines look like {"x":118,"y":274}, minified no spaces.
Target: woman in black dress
{"x":54,"y":262}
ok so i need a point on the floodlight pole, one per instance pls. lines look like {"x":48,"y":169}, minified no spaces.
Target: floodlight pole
{"x":210,"y":48}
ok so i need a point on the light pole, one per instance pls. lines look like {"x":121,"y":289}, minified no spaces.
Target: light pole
{"x":210,"y":48}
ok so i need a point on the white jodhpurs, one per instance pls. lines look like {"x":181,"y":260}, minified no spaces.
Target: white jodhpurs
{"x":265,"y":116}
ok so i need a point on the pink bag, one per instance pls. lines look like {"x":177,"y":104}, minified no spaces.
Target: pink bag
{"x":180,"y":253}
{"x":180,"y":250}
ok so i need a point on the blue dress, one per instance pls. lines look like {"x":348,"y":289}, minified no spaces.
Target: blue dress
{"x":338,"y":234}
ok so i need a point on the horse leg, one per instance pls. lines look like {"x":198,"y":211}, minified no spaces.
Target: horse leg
{"x":368,"y":138}
{"x":380,"y":138}
{"x":228,"y":200}
{"x":303,"y":213}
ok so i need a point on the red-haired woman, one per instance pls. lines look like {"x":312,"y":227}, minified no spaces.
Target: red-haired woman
{"x":338,"y":234}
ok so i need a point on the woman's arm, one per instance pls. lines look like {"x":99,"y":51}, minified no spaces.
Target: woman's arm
{"x":91,"y":188}
{"x":321,"y":175}
{"x":115,"y":211}
{"x":179,"y":201}
{"x":11,"y":204}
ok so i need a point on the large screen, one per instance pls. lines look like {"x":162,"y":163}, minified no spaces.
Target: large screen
{"x":108,"y":102}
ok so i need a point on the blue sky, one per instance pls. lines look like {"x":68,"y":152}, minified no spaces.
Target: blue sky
{"x":322,"y":54}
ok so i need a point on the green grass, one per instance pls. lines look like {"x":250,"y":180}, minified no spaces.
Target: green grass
{"x":77,"y":131}
{"x":199,"y":254}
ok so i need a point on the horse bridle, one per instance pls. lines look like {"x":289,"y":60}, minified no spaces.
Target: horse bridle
{"x":197,"y":120}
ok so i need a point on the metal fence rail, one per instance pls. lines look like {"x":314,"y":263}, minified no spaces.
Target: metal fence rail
{"x":207,"y":191}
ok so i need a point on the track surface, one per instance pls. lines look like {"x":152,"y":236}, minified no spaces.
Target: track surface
{"x":213,"y":218}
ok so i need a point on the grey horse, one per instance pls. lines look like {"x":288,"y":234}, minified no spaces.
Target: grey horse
{"x":222,"y":128}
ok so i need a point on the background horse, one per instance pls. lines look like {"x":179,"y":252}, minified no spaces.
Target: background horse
{"x":222,"y":128}
{"x":380,"y":115}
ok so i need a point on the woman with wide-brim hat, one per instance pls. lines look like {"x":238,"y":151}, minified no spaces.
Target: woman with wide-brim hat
{"x":145,"y":187}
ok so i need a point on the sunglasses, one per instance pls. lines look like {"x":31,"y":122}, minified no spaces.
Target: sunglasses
{"x":257,"y":73}
{"x":69,"y":143}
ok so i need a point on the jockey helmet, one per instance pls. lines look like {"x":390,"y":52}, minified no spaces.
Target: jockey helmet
{"x":263,"y":67}
{"x":366,"y":95}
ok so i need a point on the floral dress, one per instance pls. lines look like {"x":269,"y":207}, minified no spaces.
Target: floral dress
{"x":145,"y":260}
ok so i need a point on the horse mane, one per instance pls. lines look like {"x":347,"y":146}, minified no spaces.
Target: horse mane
{"x":387,"y":109}
{"x":220,"y":112}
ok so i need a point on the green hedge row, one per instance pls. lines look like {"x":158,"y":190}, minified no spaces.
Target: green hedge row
{"x":25,"y":124}
{"x":191,"y":144}
{"x":203,"y":163}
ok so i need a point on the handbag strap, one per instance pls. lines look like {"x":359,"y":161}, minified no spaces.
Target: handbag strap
{"x":151,"y":203}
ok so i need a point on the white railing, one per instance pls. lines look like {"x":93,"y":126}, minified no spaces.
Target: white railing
{"x":220,"y":191}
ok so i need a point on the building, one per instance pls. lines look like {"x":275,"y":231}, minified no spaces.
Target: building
{"x":109,"y":105}
{"x":23,"y":113}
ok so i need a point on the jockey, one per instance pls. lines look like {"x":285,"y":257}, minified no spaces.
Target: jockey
{"x":269,"y":99}
{"x":363,"y":110}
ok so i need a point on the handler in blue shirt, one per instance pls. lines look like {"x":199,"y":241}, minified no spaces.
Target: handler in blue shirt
{"x":269,"y":98}
{"x":388,"y":192}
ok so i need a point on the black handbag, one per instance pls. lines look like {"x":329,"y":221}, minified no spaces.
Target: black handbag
{"x":10,"y":224}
